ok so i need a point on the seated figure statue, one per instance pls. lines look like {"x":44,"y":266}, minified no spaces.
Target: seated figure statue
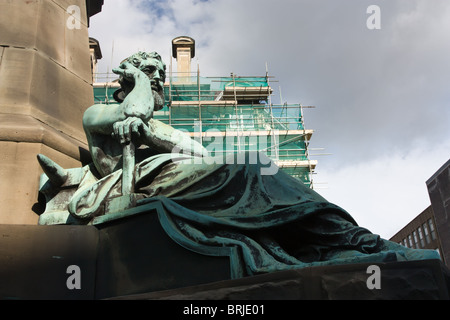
{"x":274,"y":220}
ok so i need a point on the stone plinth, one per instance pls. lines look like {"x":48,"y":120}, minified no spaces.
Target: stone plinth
{"x":134,"y":259}
{"x":123,"y":257}
{"x":34,"y":261}
{"x":421,"y":280}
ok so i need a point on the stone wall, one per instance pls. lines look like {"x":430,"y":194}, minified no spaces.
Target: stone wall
{"x":45,"y":86}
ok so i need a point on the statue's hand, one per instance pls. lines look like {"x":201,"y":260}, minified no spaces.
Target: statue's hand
{"x":128,"y":130}
{"x":128,"y":71}
{"x":139,"y":101}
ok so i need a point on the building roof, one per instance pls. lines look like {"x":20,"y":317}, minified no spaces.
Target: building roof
{"x":183,"y":42}
{"x":93,"y":7}
{"x":94,"y":44}
{"x":437,"y":173}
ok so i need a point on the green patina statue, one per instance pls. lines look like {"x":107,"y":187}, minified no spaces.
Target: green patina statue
{"x":263,"y":222}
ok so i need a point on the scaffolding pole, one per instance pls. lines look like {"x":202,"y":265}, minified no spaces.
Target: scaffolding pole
{"x":246,"y":108}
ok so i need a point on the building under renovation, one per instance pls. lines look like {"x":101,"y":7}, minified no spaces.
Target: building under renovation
{"x":229,"y":114}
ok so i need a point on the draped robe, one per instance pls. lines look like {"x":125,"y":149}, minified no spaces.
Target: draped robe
{"x":275,"y":220}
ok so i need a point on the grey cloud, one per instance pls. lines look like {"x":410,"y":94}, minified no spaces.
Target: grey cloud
{"x":382,"y":96}
{"x":375,"y":90}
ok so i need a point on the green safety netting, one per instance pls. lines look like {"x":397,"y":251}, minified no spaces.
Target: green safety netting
{"x":244,"y":118}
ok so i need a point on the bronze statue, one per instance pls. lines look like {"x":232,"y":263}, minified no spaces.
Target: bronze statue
{"x":263,"y":222}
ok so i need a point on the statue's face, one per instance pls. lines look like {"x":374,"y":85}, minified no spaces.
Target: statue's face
{"x":152,"y":65}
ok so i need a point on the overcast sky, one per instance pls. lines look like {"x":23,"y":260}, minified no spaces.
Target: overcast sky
{"x":381,"y":96}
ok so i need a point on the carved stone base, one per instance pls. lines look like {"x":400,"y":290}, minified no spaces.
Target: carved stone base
{"x":421,"y":280}
{"x":133,"y":259}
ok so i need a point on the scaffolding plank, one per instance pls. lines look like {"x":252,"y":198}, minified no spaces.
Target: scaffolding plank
{"x":215,"y":133}
{"x":203,"y":103}
{"x":247,"y":93}
{"x":297,"y":163}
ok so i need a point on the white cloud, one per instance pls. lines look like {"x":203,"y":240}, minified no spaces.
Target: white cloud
{"x":125,"y":27}
{"x":384,"y":194}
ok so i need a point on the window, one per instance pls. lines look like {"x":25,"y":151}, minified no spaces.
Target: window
{"x":432,"y":230}
{"x":405,"y":243}
{"x":427,"y":233}
{"x":410,"y":242}
{"x":416,"y":240}
{"x":422,"y":241}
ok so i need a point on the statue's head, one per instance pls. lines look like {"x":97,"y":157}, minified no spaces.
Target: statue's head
{"x":152,"y":65}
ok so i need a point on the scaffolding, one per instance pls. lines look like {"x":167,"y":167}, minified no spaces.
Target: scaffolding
{"x":234,"y":114}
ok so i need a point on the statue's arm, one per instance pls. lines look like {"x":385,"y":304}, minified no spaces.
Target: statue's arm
{"x":158,"y":136}
{"x":100,"y":118}
{"x":168,"y":139}
{"x":139,"y":103}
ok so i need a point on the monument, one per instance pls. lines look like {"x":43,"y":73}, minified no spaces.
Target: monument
{"x":262,"y":220}
{"x":146,"y":213}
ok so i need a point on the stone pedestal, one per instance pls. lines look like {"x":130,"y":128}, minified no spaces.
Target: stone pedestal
{"x":123,"y":257}
{"x":45,"y":86}
{"x":132,"y":258}
{"x":412,"y":280}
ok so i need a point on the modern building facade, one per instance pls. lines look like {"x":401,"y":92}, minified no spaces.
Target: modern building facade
{"x":420,"y":233}
{"x":439,"y":191}
{"x":431,"y":228}
{"x":230,"y":114}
